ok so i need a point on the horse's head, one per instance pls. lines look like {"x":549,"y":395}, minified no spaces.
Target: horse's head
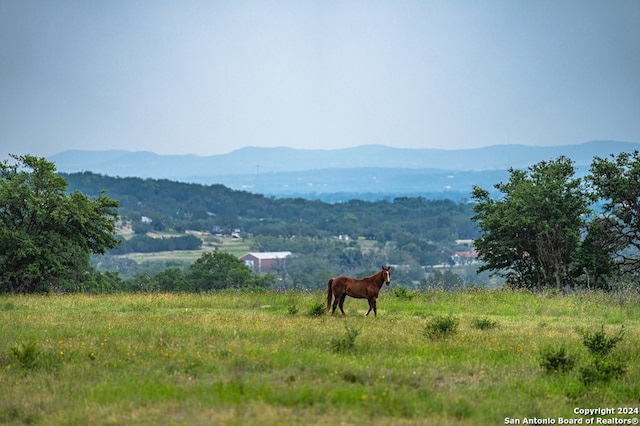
{"x":386,"y":274}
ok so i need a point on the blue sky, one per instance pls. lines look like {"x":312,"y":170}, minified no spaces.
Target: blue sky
{"x":209,"y":77}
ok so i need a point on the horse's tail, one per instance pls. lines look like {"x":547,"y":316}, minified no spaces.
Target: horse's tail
{"x":329,"y":294}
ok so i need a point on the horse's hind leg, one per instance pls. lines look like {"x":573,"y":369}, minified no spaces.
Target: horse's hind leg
{"x":341,"y":304}
{"x":336,"y":300}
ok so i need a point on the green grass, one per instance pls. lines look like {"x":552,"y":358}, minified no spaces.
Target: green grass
{"x":236,"y":246}
{"x":249,"y":358}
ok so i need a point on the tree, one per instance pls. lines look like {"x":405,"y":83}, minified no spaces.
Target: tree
{"x":171,"y":279}
{"x":596,"y":257}
{"x":447,"y":280}
{"x":217,"y":270}
{"x":531,"y":235}
{"x":617,"y":181}
{"x":47,"y":235}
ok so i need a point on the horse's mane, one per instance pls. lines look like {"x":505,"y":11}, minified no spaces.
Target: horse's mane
{"x":371,"y":277}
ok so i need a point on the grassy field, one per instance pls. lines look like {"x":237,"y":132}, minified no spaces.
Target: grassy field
{"x":236,"y":246}
{"x":265,"y":358}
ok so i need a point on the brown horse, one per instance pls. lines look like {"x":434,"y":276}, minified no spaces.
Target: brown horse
{"x":365,"y":288}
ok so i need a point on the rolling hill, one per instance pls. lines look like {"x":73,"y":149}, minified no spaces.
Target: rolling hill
{"x":367,"y":169}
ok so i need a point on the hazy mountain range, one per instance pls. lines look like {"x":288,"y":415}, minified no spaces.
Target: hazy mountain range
{"x":373,"y":169}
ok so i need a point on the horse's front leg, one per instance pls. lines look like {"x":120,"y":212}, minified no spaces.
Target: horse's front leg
{"x":372,"y":305}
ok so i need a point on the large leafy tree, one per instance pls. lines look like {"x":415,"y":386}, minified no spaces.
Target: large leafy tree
{"x":218,"y":270}
{"x":616,"y":180}
{"x":596,"y":258}
{"x":531,"y":234}
{"x":46,"y":234}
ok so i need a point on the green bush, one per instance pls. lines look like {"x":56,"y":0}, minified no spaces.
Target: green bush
{"x":441,"y":327}
{"x":557,"y":359}
{"x":347,"y":342}
{"x":7,"y":306}
{"x":603,"y":369}
{"x":27,"y":354}
{"x":484,"y":323}
{"x":350,"y":377}
{"x":316,"y":310}
{"x":403,"y":293}
{"x":604,"y":366}
{"x":598,"y":342}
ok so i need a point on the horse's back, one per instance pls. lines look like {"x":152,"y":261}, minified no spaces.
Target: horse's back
{"x":358,"y":289}
{"x":339,"y":282}
{"x":353,"y":287}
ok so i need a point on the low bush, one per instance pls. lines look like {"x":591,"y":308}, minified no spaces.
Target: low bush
{"x":347,"y":342}
{"x":603,"y":369}
{"x":484,"y":323}
{"x":598,"y":343}
{"x":604,"y":365}
{"x":557,"y":359}
{"x":27,"y":354}
{"x":403,"y":293}
{"x":316,"y":310}
{"x":441,"y":327}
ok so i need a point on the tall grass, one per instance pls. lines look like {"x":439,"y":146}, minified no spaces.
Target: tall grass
{"x":249,"y":358}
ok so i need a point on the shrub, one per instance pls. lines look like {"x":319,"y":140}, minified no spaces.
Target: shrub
{"x":293,"y":309}
{"x":316,"y":310}
{"x":403,"y":293}
{"x":27,"y":354}
{"x":347,"y":342}
{"x":441,"y":327}
{"x":603,"y":366}
{"x":7,"y":306}
{"x":484,"y":323}
{"x":557,"y":360}
{"x":350,"y":377}
{"x":602,"y":369}
{"x":598,"y":342}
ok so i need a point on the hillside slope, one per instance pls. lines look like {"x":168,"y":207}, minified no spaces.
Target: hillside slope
{"x":365,"y":169}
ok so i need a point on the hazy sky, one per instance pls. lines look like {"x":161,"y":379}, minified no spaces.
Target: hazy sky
{"x":207,"y":77}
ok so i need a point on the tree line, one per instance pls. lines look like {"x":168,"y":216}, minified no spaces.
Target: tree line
{"x":146,"y":244}
{"x":547,"y":229}
{"x":185,"y":206}
{"x":411,"y":231}
{"x":551,"y":229}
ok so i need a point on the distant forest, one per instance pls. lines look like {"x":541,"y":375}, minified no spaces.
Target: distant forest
{"x":185,"y":206}
{"x":410,"y":231}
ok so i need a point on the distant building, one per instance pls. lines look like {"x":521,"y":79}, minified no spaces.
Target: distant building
{"x":465,"y":257}
{"x":265,"y":261}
